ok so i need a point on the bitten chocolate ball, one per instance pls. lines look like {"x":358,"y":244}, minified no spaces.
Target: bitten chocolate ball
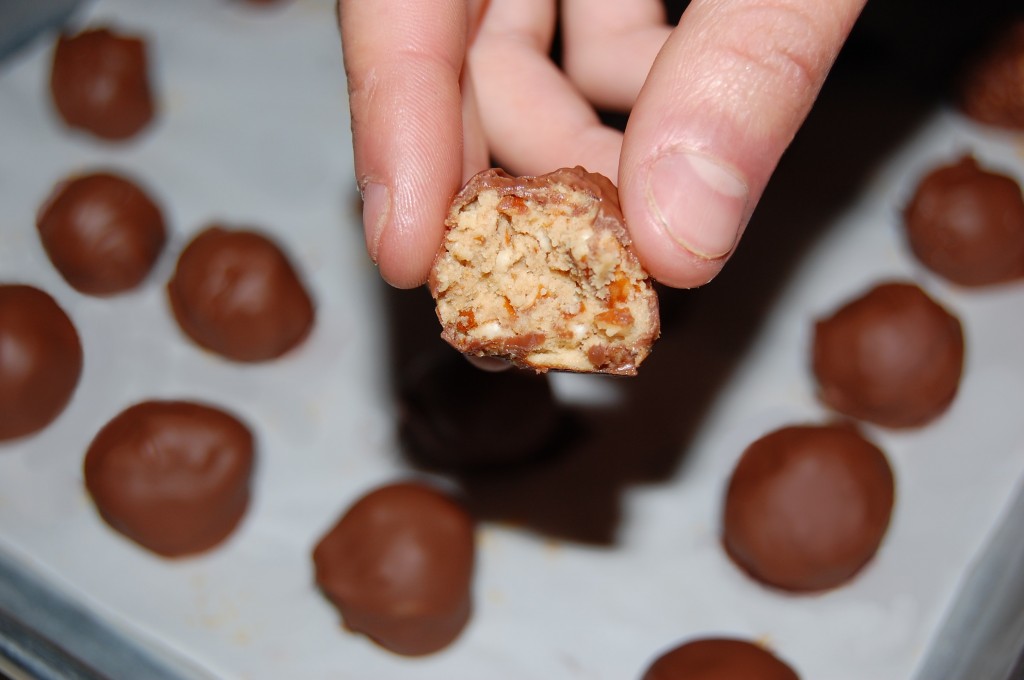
{"x":992,"y":89}
{"x":966,"y":224}
{"x":235,"y":293}
{"x":456,"y":417}
{"x":807,"y":507}
{"x":539,"y":271}
{"x":99,"y":81}
{"x":40,"y":360}
{"x":719,"y":659}
{"x":399,"y":566}
{"x":102,"y":232}
{"x":173,"y":476}
{"x":892,"y":357}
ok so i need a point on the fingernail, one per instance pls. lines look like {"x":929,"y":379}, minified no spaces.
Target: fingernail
{"x":375,"y":214}
{"x":699,"y":201}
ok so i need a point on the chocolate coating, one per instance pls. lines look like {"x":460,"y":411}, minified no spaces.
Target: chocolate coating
{"x":173,"y":476}
{"x":992,"y":90}
{"x":455,"y":416}
{"x":807,"y":507}
{"x":102,"y":232}
{"x":719,"y":659}
{"x":399,"y":566}
{"x":99,"y":81}
{"x":967,"y":224}
{"x":40,"y":360}
{"x":235,"y":293}
{"x":892,"y":357}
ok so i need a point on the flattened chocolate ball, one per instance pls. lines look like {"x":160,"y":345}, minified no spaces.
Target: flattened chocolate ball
{"x":99,"y":81}
{"x":539,"y":271}
{"x":892,"y":357}
{"x":456,"y":417}
{"x":173,"y":476}
{"x":235,"y":293}
{"x":719,"y":659}
{"x":102,"y":232}
{"x":992,"y":90}
{"x":966,"y":224}
{"x":807,"y":507}
{"x":40,"y":360}
{"x":399,"y":567}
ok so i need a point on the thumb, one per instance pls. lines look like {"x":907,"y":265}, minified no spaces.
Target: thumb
{"x":723,"y":100}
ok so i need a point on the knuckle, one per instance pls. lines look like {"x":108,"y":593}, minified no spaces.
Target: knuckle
{"x":782,"y":44}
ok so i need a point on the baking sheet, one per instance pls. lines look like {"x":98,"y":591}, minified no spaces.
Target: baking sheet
{"x":253,"y":130}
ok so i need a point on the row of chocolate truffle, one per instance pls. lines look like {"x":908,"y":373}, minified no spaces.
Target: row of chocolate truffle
{"x":234,"y":293}
{"x":808,"y":506}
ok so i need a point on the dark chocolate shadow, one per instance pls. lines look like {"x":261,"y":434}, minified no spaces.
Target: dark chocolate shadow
{"x":888,"y":79}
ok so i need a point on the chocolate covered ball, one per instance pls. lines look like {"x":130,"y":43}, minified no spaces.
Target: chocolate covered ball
{"x":456,"y":417}
{"x":99,"y":81}
{"x":102,"y":232}
{"x":173,"y":476}
{"x":992,"y":90}
{"x":966,"y":224}
{"x":235,"y":293}
{"x":539,"y":271}
{"x":399,"y":566}
{"x":892,"y":357}
{"x":719,"y":659}
{"x":807,"y":507}
{"x":40,"y":360}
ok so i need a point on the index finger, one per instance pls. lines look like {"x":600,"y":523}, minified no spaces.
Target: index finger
{"x":403,"y":59}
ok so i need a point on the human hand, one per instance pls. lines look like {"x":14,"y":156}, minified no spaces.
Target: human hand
{"x":439,"y":87}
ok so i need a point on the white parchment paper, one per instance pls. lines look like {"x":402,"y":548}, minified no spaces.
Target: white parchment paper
{"x":253,"y":130}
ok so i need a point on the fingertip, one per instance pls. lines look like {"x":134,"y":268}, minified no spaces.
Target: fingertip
{"x":405,"y":251}
{"x":403,"y":274}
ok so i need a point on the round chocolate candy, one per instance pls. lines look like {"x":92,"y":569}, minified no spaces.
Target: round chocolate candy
{"x":102,"y":232}
{"x":173,"y":476}
{"x":398,"y":566}
{"x":807,"y":507}
{"x":992,"y":88}
{"x":235,"y":293}
{"x":719,"y":659}
{"x":966,"y":224}
{"x":99,"y":81}
{"x":892,"y":357}
{"x":40,"y":360}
